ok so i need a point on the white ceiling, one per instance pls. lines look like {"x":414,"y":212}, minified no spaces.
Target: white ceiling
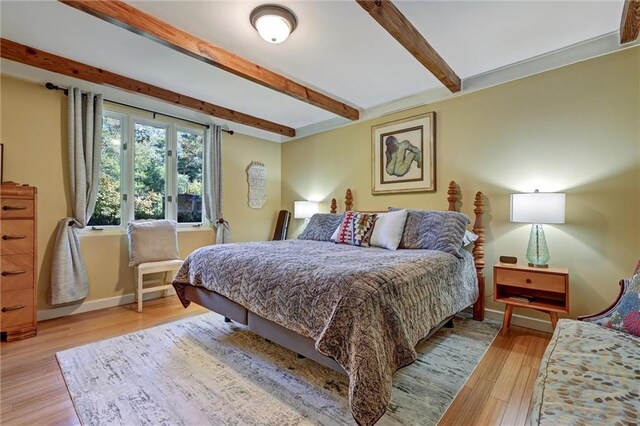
{"x":337,"y":48}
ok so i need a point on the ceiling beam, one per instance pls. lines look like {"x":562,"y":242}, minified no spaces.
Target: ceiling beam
{"x":37,"y":58}
{"x":139,"y":22}
{"x":392,"y":20}
{"x":630,"y":22}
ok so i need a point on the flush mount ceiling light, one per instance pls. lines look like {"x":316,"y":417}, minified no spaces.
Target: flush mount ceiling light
{"x":273,"y":23}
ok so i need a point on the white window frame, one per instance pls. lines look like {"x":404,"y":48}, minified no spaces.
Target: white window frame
{"x":127,"y":171}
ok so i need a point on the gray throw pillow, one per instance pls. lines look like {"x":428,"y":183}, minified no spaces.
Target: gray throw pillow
{"x":152,"y":241}
{"x":434,"y":230}
{"x":321,"y":227}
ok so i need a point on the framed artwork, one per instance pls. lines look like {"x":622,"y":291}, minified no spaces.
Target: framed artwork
{"x":403,"y":155}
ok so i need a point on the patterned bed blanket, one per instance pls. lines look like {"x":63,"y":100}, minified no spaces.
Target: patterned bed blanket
{"x":365,"y":307}
{"x":588,"y":375}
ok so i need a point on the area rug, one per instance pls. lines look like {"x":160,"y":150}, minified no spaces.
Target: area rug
{"x":203,"y":371}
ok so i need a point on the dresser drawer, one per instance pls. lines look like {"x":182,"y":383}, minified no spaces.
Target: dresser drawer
{"x":533,"y":280}
{"x":16,"y":272}
{"x":17,"y":237}
{"x":17,"y":308}
{"x":16,"y":208}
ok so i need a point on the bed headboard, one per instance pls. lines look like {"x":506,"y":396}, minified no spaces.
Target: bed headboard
{"x":453,"y":193}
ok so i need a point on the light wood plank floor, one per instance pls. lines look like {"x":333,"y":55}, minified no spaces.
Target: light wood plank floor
{"x":32,"y":390}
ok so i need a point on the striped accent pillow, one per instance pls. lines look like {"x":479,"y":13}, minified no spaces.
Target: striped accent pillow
{"x":356,"y":229}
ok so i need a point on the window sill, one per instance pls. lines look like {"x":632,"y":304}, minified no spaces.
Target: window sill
{"x":110,"y":232}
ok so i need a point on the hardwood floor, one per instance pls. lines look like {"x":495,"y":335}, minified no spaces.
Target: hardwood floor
{"x":33,"y":391}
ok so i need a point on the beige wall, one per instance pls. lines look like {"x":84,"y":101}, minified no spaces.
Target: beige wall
{"x":575,"y":129}
{"x":33,"y":131}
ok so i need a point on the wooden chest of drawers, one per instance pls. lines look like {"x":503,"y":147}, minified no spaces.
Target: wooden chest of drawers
{"x":18,"y":277}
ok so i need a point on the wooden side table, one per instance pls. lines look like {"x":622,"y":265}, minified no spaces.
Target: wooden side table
{"x":543,"y":289}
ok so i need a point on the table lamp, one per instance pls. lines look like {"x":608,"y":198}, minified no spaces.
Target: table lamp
{"x":537,"y":208}
{"x":304,"y":210}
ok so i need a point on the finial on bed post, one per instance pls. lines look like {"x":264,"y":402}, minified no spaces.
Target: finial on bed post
{"x":478,"y":254}
{"x":334,"y":206}
{"x":453,"y":196}
{"x":348,"y":200}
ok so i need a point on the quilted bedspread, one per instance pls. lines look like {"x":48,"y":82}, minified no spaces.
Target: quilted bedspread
{"x":588,"y":375}
{"x":365,"y":307}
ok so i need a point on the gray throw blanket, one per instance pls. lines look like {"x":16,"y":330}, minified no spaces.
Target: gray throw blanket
{"x":365,"y":307}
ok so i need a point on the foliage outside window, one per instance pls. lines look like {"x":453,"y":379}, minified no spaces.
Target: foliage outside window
{"x":157,"y":176}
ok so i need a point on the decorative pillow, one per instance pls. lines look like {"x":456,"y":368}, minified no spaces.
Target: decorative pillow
{"x":434,"y":230}
{"x":625,"y":316}
{"x":468,"y":238}
{"x":321,"y":226}
{"x":356,"y":229}
{"x":152,"y":241}
{"x":388,"y":228}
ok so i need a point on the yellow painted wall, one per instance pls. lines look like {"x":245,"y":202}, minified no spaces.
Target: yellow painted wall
{"x":575,"y":129}
{"x":33,"y":131}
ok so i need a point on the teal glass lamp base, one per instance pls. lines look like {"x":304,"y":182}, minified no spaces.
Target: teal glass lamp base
{"x":537,"y":251}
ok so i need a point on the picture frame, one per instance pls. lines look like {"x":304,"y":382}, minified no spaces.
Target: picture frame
{"x":403,"y":155}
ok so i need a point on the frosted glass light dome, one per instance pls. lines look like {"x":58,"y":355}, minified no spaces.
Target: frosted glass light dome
{"x":273,"y":23}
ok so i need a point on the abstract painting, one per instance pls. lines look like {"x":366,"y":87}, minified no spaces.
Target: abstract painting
{"x":403,"y":155}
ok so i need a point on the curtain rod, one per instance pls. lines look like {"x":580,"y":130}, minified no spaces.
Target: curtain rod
{"x":52,"y":86}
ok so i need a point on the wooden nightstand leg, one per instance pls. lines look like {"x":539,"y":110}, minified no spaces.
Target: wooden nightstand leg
{"x":506,"y":323}
{"x":554,"y":319}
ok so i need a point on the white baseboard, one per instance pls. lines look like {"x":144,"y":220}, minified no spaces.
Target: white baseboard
{"x":94,"y":305}
{"x":522,"y":321}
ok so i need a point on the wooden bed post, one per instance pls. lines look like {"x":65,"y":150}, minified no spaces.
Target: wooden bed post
{"x":478,"y":255}
{"x":334,"y":206}
{"x":453,"y":196}
{"x":348,"y":200}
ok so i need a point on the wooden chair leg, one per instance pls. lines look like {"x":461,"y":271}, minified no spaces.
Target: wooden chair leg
{"x":140,"y":276}
{"x":554,"y":319}
{"x":165,"y":293}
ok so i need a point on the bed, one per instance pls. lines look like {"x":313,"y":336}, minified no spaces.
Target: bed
{"x":360,"y":311}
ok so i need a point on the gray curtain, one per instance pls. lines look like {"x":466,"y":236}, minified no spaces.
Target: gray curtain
{"x":68,"y":272}
{"x":212,"y":191}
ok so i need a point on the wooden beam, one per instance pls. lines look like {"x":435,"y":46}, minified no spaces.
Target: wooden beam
{"x":630,"y":22}
{"x":37,"y":58}
{"x":392,"y":20}
{"x":135,"y":20}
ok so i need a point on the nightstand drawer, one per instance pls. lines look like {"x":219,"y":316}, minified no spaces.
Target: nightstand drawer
{"x":533,"y":280}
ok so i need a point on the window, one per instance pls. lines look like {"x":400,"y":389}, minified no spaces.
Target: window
{"x":107,"y":210}
{"x":156,"y":176}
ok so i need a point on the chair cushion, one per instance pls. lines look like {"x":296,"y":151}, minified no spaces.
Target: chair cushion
{"x":165,"y":265}
{"x":152,"y":241}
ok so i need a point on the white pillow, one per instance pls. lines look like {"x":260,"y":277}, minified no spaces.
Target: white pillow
{"x":334,"y":236}
{"x":469,"y":237}
{"x":387,"y":231}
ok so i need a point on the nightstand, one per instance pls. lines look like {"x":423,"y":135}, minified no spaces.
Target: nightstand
{"x":543,"y":289}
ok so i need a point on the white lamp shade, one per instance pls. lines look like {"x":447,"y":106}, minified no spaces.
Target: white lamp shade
{"x":304,"y":209}
{"x":538,"y":207}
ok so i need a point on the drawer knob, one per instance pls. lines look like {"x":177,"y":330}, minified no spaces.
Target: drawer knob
{"x":12,"y":308}
{"x":528,"y":280}
{"x":5,"y":273}
{"x":5,"y":208}
{"x":14,"y":237}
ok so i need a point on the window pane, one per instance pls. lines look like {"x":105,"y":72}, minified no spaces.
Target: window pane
{"x":107,"y":211}
{"x":190,"y":157}
{"x":149,"y":170}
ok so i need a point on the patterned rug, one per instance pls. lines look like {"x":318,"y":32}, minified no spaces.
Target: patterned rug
{"x":202,"y":371}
